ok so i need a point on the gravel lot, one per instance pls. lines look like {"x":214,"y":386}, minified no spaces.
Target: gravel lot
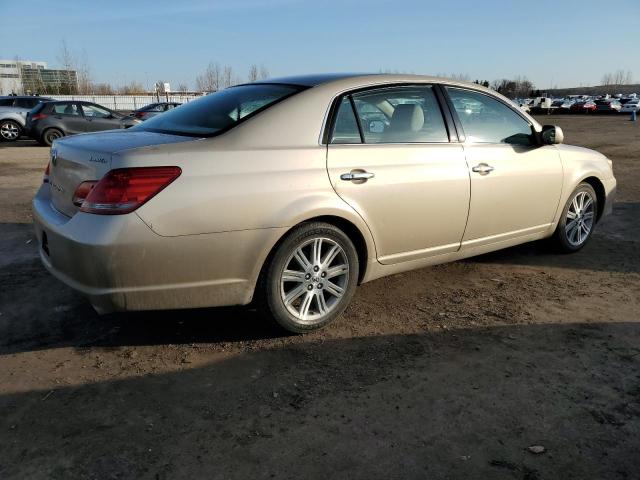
{"x":446,"y":372}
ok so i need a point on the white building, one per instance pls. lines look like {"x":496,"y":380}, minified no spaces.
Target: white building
{"x":29,"y":77}
{"x":11,"y":75}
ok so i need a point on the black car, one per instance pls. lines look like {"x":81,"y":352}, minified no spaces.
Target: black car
{"x":154,"y":109}
{"x":51,"y":120}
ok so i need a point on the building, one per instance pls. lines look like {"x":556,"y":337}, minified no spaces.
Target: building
{"x":28,"y":77}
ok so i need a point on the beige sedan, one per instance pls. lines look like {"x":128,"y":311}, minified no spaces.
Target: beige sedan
{"x":289,"y":193}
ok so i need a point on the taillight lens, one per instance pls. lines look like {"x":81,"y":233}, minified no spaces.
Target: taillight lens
{"x":38,"y":116}
{"x":45,"y":178}
{"x":82,"y":192}
{"x":126,"y":189}
{"x":139,"y":114}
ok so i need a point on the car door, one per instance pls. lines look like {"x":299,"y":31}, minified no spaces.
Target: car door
{"x":99,"y":118}
{"x":391,"y":159}
{"x":68,"y":117}
{"x":515,"y":182}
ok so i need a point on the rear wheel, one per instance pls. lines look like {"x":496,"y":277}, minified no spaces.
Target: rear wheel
{"x":50,"y":135}
{"x":311,"y":278}
{"x":10,"y":131}
{"x":578,"y":219}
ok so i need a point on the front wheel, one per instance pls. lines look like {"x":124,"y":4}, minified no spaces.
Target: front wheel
{"x":578,"y":219}
{"x":10,"y":131}
{"x":311,"y":278}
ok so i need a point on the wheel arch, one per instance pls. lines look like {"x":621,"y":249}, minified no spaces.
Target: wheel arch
{"x":601,"y":195}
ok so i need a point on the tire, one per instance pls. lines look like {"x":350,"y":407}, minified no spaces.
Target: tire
{"x":10,"y":131}
{"x":50,"y":135}
{"x":578,"y":220}
{"x":313,"y":292}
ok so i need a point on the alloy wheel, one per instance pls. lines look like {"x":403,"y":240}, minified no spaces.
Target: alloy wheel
{"x":314,"y":279}
{"x":9,"y":131}
{"x":580,"y":218}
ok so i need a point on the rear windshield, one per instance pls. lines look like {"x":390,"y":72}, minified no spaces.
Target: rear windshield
{"x":218,"y":112}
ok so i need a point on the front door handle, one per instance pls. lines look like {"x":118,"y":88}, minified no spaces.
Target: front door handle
{"x":363,"y":176}
{"x":483,"y":169}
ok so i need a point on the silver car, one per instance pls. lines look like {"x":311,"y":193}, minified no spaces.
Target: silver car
{"x":288,"y":193}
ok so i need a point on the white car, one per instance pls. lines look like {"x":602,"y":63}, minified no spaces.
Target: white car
{"x":632,"y":106}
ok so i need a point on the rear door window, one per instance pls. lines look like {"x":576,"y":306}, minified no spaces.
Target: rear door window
{"x":6,"y":102}
{"x":70,"y":109}
{"x":404,"y":114}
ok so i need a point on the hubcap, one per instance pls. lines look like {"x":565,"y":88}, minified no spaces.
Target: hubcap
{"x":579,"y":221}
{"x":314,"y":279}
{"x":9,"y":131}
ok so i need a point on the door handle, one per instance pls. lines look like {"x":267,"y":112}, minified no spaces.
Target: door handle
{"x":357,"y":176}
{"x":483,"y":169}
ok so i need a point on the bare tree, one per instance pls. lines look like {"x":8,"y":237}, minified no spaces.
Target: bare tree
{"x":264,"y":73}
{"x":83,"y":73}
{"x":210,"y":80}
{"x":619,"y":77}
{"x":253,"y":73}
{"x":227,"y":76}
{"x":64,"y":81}
{"x":182,"y":87}
{"x":133,"y":88}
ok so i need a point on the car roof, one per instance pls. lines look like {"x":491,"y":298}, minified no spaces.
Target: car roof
{"x":355,"y":80}
{"x":24,"y":96}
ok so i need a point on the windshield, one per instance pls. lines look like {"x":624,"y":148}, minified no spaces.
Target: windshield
{"x":218,"y":112}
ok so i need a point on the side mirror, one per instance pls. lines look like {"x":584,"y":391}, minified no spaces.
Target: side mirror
{"x":552,"y":135}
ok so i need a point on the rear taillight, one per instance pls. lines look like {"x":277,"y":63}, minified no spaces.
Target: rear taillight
{"x":38,"y":116}
{"x":139,"y":114}
{"x":82,"y":192}
{"x":125,"y":189}
{"x":45,"y":178}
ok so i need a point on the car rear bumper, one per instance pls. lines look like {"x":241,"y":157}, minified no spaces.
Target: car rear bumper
{"x":119,"y":263}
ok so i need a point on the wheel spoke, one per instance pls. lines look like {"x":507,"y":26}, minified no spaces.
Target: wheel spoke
{"x":294,"y":294}
{"x":571,"y":214}
{"x":576,"y":208}
{"x":588,"y":216}
{"x":316,"y":252}
{"x":305,"y":305}
{"x":302,"y":259}
{"x":293,"y":276}
{"x":334,"y":289}
{"x":571,"y":225}
{"x":336,"y":271}
{"x":322,"y":303}
{"x":581,"y":196}
{"x":330,"y":256}
{"x":587,"y":203}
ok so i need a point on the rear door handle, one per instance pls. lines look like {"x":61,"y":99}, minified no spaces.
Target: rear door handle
{"x":483,"y":169}
{"x":356,"y":176}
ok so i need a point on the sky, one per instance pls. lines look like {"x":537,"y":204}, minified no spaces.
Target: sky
{"x":559,"y":43}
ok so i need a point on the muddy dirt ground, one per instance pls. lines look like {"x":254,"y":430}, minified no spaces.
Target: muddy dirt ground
{"x":447,"y":372}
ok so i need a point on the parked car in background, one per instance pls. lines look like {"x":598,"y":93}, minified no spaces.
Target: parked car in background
{"x":633,"y":105}
{"x":52,"y":120}
{"x":153,"y":109}
{"x":13,"y":115}
{"x":309,"y":194}
{"x":609,"y":105}
{"x":583,"y":107}
{"x":562,"y":105}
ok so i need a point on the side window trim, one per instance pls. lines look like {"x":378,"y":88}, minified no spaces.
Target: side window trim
{"x":357,"y":117}
{"x":458,"y":123}
{"x":335,"y":106}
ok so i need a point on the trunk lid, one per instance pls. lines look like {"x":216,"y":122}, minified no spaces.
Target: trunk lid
{"x":89,"y":157}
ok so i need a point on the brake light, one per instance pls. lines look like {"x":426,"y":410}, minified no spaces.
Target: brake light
{"x":139,"y":114}
{"x":125,"y":189}
{"x":82,"y":191}
{"x":45,"y":178}
{"x":39,"y":116}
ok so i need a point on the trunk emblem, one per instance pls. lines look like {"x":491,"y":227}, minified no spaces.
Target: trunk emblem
{"x":54,"y":156}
